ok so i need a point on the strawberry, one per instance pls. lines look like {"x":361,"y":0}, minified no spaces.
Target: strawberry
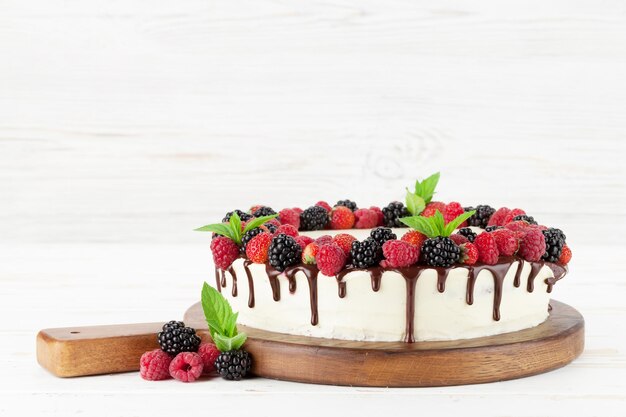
{"x":344,"y":241}
{"x":341,"y":217}
{"x":257,"y":248}
{"x":432,"y":207}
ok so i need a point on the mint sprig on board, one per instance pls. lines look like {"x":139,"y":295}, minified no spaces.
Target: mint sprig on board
{"x":436,"y":225}
{"x":232,"y":229}
{"x":424,"y":190}
{"x":221,"y":320}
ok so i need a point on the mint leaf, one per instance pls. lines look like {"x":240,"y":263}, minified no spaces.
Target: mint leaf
{"x":421,"y":224}
{"x":225,"y":344}
{"x":428,"y":187}
{"x":414,"y":203}
{"x":439,"y":223}
{"x":217,"y":310}
{"x":451,"y":227}
{"x":219,"y":228}
{"x":258,"y":221}
{"x":418,"y":188}
{"x":235,"y":225}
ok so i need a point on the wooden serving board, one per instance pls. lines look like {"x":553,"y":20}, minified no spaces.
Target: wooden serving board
{"x":551,"y":345}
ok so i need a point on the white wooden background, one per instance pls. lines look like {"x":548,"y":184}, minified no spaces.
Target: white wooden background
{"x":124,"y":124}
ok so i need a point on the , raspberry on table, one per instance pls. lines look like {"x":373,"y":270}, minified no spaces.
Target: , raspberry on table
{"x":154,"y":365}
{"x":186,"y":366}
{"x":209,"y":353}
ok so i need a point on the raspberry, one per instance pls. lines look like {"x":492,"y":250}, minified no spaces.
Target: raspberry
{"x":533,"y":245}
{"x":366,"y":219}
{"x":469,"y":253}
{"x":380,"y":214}
{"x":287,"y":229}
{"x":452,"y":211}
{"x":310,"y":252}
{"x":487,"y":248}
{"x":258,"y":247}
{"x":393,"y":212}
{"x":297,"y":210}
{"x":225,"y":251}
{"x":344,"y":241}
{"x":303,"y":241}
{"x":289,"y":216}
{"x":347,"y":203}
{"x":325,"y":205}
{"x":432,"y":207}
{"x":511,"y":215}
{"x":186,"y":366}
{"x":208,"y":352}
{"x":324,"y":239}
{"x":506,"y":240}
{"x":566,"y":255}
{"x":497,"y":218}
{"x":517,"y":226}
{"x":154,"y":365}
{"x":341,"y":217}
{"x":330,"y":259}
{"x":414,"y":238}
{"x":459,"y":239}
{"x":263,"y":211}
{"x":399,"y":253}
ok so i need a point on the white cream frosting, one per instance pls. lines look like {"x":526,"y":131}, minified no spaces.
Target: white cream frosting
{"x":366,"y":315}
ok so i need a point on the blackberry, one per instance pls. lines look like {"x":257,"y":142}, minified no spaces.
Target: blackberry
{"x":492,"y":228}
{"x":175,"y":338}
{"x":367,"y":253}
{"x":467,"y":232}
{"x":347,"y":203}
{"x":440,"y":251}
{"x":271,"y":227}
{"x":233,"y":365}
{"x":527,"y":219}
{"x":284,"y":251}
{"x":555,"y":240}
{"x":242,"y":215}
{"x":394,"y":211}
{"x":247,"y":237}
{"x":382,"y":234}
{"x":313,"y":218}
{"x":482,"y":215}
{"x":263,"y":211}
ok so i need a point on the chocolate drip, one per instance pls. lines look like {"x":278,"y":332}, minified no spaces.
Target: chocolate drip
{"x":272,"y":275}
{"x":535,"y":267}
{"x":234,"y":275}
{"x":218,"y":283}
{"x":442,"y":275}
{"x":411,"y":275}
{"x":310,"y":271}
{"x":223,"y":279}
{"x":558,"y":271}
{"x":518,"y":273}
{"x":246,"y":265}
{"x":498,"y":272}
{"x":341,"y":287}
